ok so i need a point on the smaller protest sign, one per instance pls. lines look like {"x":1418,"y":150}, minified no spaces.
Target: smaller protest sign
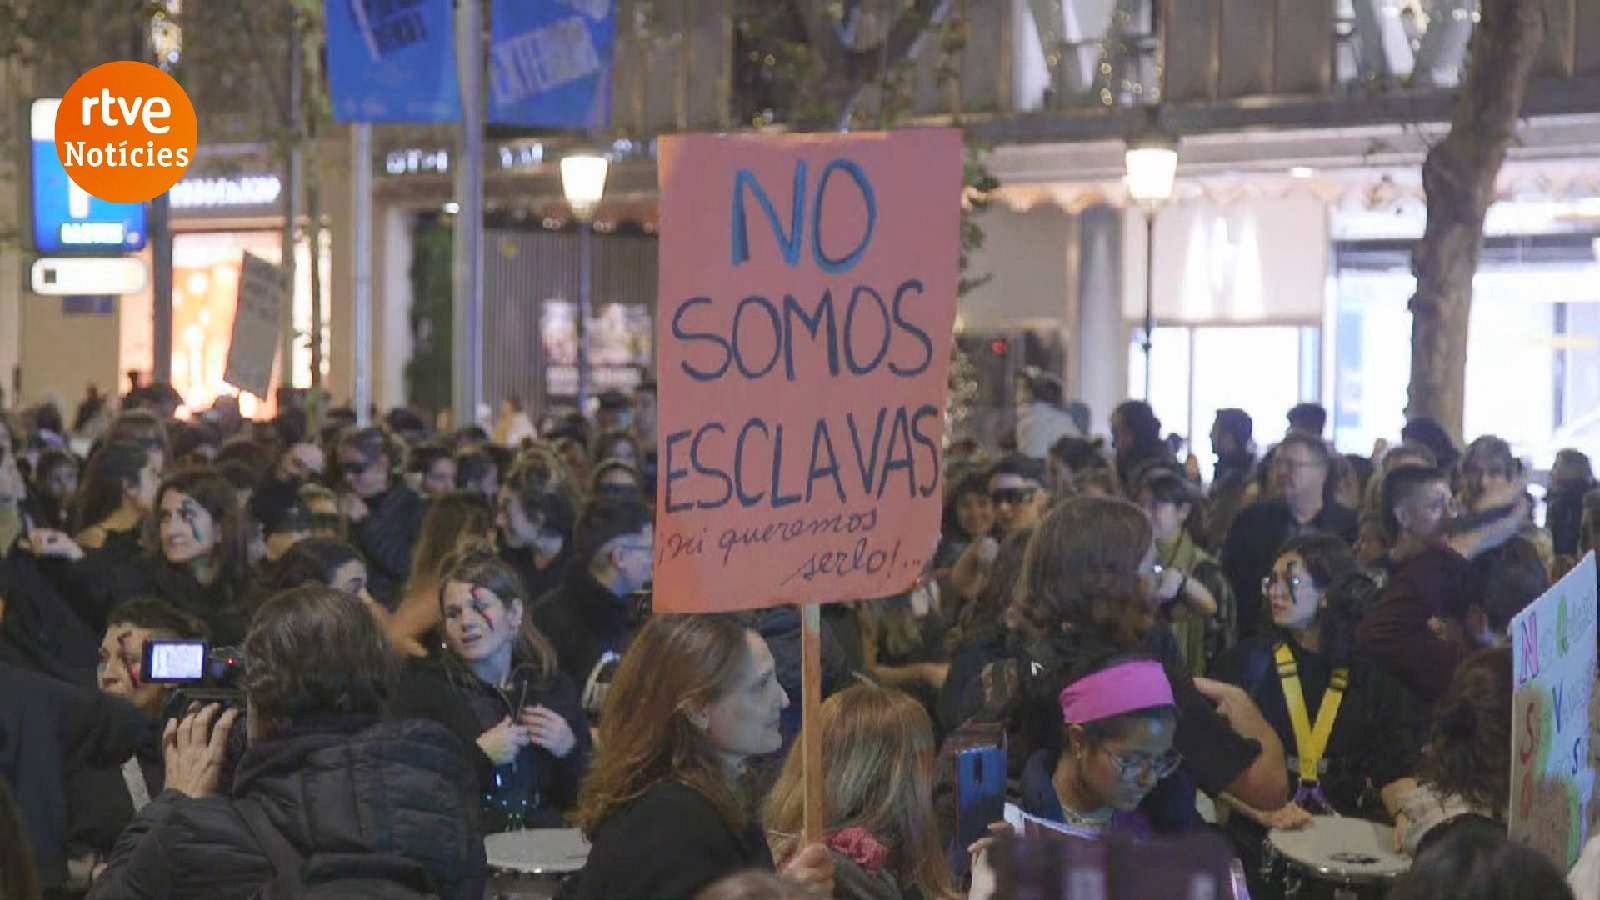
{"x":550,"y":63}
{"x":1552,"y":768}
{"x":262,"y":293}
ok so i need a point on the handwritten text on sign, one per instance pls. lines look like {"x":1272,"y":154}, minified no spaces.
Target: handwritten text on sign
{"x":1552,"y":770}
{"x":807,"y":295}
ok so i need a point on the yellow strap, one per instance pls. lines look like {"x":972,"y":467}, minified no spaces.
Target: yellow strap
{"x":1310,"y":742}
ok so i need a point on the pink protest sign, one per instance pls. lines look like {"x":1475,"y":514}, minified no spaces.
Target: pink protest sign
{"x":806,"y":301}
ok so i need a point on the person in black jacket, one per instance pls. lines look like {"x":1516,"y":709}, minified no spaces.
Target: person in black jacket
{"x":48,"y":729}
{"x":1300,"y":466}
{"x":590,"y":618}
{"x":325,"y":794}
{"x":200,"y":564}
{"x":536,"y":511}
{"x":101,"y":801}
{"x":497,"y":687}
{"x":695,"y":697}
{"x":385,"y":515}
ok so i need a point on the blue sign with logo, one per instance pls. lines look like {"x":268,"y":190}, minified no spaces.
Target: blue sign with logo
{"x":550,"y":63}
{"x":66,"y":218}
{"x":392,"y":61}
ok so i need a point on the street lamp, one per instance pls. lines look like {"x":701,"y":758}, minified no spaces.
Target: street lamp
{"x":583,"y":180}
{"x":1152,"y":165}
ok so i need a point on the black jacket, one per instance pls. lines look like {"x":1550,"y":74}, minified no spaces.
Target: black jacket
{"x":105,"y":577}
{"x":99,"y":805}
{"x":392,"y":802}
{"x":536,"y":581}
{"x":38,"y":629}
{"x":584,"y":621}
{"x":446,"y":692}
{"x":669,"y":844}
{"x":1252,"y":547}
{"x":386,"y":536}
{"x":47,"y":730}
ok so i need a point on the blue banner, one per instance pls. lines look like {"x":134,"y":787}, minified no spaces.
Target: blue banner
{"x":392,"y":61}
{"x":550,"y":63}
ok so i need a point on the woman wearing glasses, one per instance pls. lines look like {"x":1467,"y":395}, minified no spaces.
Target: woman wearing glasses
{"x":1351,"y":731}
{"x":1114,"y":744}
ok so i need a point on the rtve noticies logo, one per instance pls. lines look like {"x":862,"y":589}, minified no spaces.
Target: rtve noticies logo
{"x":125,"y":132}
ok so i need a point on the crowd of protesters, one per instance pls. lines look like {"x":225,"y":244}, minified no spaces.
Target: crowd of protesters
{"x":442,"y":634}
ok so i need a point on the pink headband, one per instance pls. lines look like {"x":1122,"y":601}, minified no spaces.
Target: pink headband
{"x":1122,"y":688}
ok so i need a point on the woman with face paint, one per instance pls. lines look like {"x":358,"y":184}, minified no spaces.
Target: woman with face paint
{"x":384,"y":515}
{"x":198,"y":554}
{"x":55,"y":480}
{"x":694,"y":699}
{"x":535,"y":511}
{"x":452,"y":522}
{"x":495,"y":684}
{"x":1350,"y":730}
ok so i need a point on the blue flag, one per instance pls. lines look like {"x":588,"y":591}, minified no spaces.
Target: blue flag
{"x":392,"y":61}
{"x":550,"y":62}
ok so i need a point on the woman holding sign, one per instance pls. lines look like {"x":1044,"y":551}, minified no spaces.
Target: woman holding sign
{"x":694,"y":699}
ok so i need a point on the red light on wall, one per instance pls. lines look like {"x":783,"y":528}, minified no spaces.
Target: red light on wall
{"x":999,"y":346}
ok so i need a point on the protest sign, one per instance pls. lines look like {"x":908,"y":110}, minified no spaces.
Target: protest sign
{"x":262,"y":293}
{"x":806,"y":300}
{"x":377,"y":52}
{"x":1552,"y":766}
{"x":550,"y":63}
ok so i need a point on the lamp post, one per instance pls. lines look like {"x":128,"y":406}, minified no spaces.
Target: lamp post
{"x":1152,"y":165}
{"x":583,"y":180}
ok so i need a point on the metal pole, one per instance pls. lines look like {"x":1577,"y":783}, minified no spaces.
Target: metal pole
{"x":1149,"y":293}
{"x":161,"y":289}
{"x":291,"y":219}
{"x":468,"y":263}
{"x":585,"y":278}
{"x":361,"y":240}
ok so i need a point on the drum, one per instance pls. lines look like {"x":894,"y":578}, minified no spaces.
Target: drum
{"x":1334,"y":857}
{"x":531,"y":864}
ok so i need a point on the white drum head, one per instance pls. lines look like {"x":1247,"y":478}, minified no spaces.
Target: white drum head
{"x":540,"y":851}
{"x":1334,"y":848}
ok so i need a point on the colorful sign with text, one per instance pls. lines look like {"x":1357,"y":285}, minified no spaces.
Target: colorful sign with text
{"x":1553,"y":718}
{"x":806,"y":300}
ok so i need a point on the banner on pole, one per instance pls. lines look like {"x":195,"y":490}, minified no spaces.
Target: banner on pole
{"x":262,"y":293}
{"x":550,"y":63}
{"x":806,"y":301}
{"x":1554,"y":718}
{"x":392,"y":61}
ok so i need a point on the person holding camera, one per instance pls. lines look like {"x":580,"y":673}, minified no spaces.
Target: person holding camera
{"x":327,"y":800}
{"x":497,"y":687}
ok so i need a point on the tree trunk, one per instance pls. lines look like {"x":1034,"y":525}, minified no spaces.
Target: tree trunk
{"x":1459,"y":179}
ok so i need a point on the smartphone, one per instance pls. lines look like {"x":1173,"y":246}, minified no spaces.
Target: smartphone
{"x":174,"y":661}
{"x":980,"y":792}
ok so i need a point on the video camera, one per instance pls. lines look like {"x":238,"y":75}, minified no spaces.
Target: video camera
{"x":204,"y":674}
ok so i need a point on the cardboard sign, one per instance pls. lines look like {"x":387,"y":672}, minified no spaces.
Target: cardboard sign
{"x":807,"y":296}
{"x":262,"y":293}
{"x":1552,"y":764}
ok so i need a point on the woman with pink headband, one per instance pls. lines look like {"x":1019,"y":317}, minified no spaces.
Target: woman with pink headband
{"x":1118,"y":720}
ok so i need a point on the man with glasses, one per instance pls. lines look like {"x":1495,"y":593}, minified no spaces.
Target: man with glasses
{"x":385,"y":515}
{"x":590,"y":618}
{"x":1300,"y":470}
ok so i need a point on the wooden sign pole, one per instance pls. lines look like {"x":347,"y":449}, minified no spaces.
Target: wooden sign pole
{"x":816,"y":821}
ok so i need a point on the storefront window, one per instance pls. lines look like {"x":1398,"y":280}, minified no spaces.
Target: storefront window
{"x":1196,"y":371}
{"x":1533,"y":348}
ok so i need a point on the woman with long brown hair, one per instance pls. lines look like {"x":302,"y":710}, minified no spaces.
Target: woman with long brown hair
{"x":198,"y":557}
{"x":694,"y":698}
{"x":496,"y":685}
{"x":878,"y":751}
{"x":452,"y":522}
{"x":1088,"y":590}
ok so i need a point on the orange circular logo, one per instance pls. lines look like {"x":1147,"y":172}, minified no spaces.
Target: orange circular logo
{"x":125,"y":132}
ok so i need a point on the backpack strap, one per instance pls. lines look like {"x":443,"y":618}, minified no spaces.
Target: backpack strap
{"x":286,"y":863}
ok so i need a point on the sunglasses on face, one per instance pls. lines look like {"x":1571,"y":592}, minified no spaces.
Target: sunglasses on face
{"x":356,"y":465}
{"x":1291,"y":583}
{"x":1012,"y":496}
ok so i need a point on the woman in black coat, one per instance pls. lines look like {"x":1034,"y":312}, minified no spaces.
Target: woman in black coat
{"x":694,"y":698}
{"x":495,"y":684}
